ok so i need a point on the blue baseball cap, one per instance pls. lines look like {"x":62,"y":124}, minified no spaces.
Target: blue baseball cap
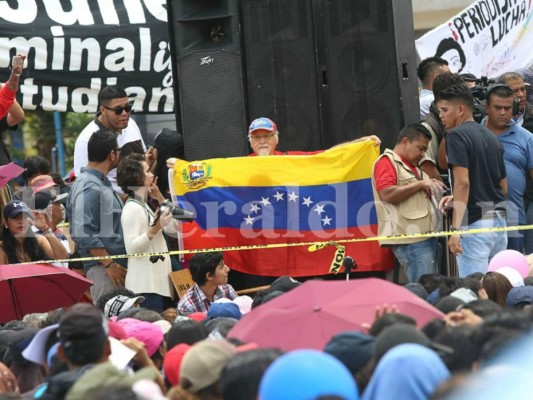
{"x":16,"y":207}
{"x":262,"y":123}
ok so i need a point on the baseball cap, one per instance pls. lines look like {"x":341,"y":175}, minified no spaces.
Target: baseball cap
{"x":283,"y":284}
{"x":106,"y":374}
{"x":307,"y":374}
{"x":42,"y":199}
{"x":172,"y":362}
{"x":202,"y":364}
{"x":513,"y":275}
{"x":244,"y":302}
{"x":520,"y":296}
{"x":151,"y":335}
{"x":42,"y":182}
{"x":117,"y":304}
{"x":36,"y":350}
{"x":353,"y":349}
{"x":262,"y":124}
{"x":16,"y":207}
{"x":229,"y":310}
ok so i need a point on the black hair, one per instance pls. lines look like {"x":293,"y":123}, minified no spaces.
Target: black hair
{"x":120,"y":291}
{"x":101,"y":143}
{"x":387,"y":320}
{"x":443,"y":82}
{"x":462,"y":340}
{"x":30,"y":246}
{"x":164,"y":152}
{"x":434,"y":328}
{"x":129,"y":313}
{"x":35,"y":165}
{"x":85,"y":351}
{"x":148,"y":315}
{"x":203,"y":263}
{"x":188,"y":332}
{"x":240,"y":377}
{"x":528,"y":281}
{"x":109,"y":93}
{"x":429,"y":65}
{"x":499,"y":90}
{"x":430,"y":281}
{"x":450,"y":44}
{"x":130,"y":173}
{"x":483,"y":308}
{"x":459,"y":93}
{"x":412,"y":131}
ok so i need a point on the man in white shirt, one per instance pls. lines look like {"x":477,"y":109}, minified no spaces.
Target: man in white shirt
{"x":114,"y":111}
{"x":427,"y":71}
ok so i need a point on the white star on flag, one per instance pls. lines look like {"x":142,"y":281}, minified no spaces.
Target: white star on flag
{"x":326,"y":220}
{"x":319,"y":209}
{"x":293,"y":196}
{"x":249,"y":220}
{"x":264,"y":201}
{"x":254,"y":208}
{"x":278,"y":196}
{"x":307,"y":201}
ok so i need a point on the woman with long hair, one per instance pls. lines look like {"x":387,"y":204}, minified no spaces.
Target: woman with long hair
{"x":20,"y":243}
{"x":143,"y":233}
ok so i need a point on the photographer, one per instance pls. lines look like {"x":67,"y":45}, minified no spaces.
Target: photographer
{"x":147,"y":276}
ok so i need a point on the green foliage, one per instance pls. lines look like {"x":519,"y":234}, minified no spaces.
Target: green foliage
{"x":39,"y":133}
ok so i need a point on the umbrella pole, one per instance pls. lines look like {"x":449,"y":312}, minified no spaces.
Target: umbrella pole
{"x":14,"y":300}
{"x":349,"y":265}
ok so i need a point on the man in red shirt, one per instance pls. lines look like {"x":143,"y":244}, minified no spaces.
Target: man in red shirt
{"x":405,"y":199}
{"x":264,"y":136}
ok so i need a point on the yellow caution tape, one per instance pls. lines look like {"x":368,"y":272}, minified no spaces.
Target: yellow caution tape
{"x":312,"y":246}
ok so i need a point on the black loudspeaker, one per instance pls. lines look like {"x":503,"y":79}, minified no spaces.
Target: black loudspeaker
{"x":371,"y":63}
{"x":280,"y":63}
{"x":208,"y":80}
{"x":329,"y":71}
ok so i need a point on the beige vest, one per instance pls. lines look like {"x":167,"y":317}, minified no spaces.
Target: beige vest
{"x":414,"y":215}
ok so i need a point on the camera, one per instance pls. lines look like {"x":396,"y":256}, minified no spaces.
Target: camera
{"x":177,"y":213}
{"x":154,"y":259}
{"x":479,"y":91}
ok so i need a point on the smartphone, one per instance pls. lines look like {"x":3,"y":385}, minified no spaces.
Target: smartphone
{"x":17,"y":61}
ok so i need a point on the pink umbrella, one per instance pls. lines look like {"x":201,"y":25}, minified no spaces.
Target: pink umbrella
{"x":31,"y":288}
{"x":309,"y":315}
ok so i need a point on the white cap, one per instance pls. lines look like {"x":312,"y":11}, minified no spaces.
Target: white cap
{"x":117,"y":304}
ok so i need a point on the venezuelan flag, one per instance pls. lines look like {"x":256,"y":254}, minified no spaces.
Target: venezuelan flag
{"x":245,"y":201}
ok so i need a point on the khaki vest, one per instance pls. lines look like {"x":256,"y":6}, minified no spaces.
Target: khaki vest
{"x":414,"y":215}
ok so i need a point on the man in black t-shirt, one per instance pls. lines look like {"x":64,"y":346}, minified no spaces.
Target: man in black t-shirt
{"x":475,"y":158}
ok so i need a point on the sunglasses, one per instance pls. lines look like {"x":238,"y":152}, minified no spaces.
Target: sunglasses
{"x":119,"y":109}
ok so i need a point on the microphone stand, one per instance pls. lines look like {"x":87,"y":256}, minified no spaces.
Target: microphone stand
{"x":349,"y":265}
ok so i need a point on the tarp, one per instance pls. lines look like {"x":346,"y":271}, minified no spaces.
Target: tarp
{"x":487,"y":38}
{"x":77,"y":47}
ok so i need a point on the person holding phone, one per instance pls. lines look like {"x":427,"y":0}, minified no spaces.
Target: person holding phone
{"x":20,"y":243}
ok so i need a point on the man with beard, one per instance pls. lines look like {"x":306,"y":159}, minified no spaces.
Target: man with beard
{"x":114,"y":111}
{"x":94,"y":210}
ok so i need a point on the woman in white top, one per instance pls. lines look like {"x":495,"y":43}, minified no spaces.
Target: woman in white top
{"x":146,"y":276}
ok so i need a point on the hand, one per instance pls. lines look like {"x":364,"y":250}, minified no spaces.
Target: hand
{"x":170,"y":314}
{"x":18,"y":67}
{"x":39,"y":220}
{"x":380,"y":312}
{"x":149,"y":157}
{"x":8,"y":382}
{"x":154,"y":191}
{"x":446,"y":204}
{"x":141,"y":357}
{"x":171,"y":162}
{"x":374,"y":138}
{"x":161,"y":220}
{"x":462,"y":317}
{"x":117,"y":274}
{"x":454,"y":243}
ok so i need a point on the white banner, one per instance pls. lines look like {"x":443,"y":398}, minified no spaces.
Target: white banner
{"x":488,"y":38}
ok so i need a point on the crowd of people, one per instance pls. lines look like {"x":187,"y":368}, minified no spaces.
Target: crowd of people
{"x":131,"y":339}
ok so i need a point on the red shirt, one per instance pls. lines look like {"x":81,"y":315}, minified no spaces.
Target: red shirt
{"x":7,"y":97}
{"x":385,"y":173}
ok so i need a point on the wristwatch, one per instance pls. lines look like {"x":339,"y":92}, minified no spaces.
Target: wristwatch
{"x":453,"y":228}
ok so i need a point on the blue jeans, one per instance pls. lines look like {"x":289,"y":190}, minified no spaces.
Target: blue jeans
{"x":417,"y":258}
{"x":478,"y":249}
